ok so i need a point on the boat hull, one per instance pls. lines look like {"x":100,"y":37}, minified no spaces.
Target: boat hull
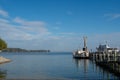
{"x":79,"y":57}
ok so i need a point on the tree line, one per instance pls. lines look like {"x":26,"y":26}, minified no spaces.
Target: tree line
{"x":3,"y":44}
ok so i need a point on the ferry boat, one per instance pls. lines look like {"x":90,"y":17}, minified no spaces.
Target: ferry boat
{"x":106,"y":49}
{"x":82,"y":54}
{"x":105,"y":53}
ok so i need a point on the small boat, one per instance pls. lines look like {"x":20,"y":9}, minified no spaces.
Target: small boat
{"x":82,"y":54}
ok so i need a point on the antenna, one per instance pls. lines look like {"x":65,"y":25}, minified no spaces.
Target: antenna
{"x":85,"y":41}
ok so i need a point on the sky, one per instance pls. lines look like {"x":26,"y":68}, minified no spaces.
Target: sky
{"x":59,"y":25}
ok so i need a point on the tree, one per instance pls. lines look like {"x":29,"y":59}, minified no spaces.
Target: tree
{"x":3,"y":44}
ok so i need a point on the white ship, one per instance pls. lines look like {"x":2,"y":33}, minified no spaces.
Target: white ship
{"x":82,"y":54}
{"x":106,"y":49}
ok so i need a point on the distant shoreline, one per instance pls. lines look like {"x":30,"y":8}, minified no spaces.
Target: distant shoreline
{"x":22,"y":50}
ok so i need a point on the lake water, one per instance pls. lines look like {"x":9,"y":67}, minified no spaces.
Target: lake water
{"x":51,"y":66}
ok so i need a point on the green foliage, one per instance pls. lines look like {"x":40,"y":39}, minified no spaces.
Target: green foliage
{"x":3,"y":44}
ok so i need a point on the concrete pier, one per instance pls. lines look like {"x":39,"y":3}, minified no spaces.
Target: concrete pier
{"x":107,"y":60}
{"x":105,"y":57}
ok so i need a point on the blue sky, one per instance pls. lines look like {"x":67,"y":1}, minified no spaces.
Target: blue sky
{"x":59,"y":25}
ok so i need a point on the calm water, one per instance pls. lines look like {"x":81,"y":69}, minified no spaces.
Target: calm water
{"x":51,"y":66}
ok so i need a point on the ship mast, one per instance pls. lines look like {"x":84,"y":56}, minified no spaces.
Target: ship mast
{"x":85,"y":43}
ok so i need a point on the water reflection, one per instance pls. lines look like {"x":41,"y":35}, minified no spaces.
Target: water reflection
{"x":82,"y":63}
{"x":44,"y":66}
{"x":91,"y":70}
{"x":3,"y":74}
{"x":107,"y":72}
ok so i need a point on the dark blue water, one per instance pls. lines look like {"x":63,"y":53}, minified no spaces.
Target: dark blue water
{"x":51,"y":66}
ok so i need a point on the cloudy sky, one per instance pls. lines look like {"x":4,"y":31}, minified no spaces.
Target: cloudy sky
{"x":59,"y":25}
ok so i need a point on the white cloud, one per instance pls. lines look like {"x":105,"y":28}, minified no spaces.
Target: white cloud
{"x":3,"y":20}
{"x":28,"y":23}
{"x":31,"y":34}
{"x":10,"y":32}
{"x":23,"y":33}
{"x":113,"y":16}
{"x":112,"y":39}
{"x":3,"y":13}
{"x":25,"y":30}
{"x":37,"y":27}
{"x":68,"y":33}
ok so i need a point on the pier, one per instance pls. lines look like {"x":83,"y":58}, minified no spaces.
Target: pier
{"x":107,"y":60}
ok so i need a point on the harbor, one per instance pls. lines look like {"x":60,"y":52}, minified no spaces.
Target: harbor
{"x":108,"y":58}
{"x":59,"y":40}
{"x":87,"y":63}
{"x":52,"y":66}
{"x":105,"y":57}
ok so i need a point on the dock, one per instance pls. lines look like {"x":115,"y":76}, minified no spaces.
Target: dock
{"x":107,"y":60}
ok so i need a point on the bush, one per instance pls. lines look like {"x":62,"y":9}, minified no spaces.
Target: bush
{"x":3,"y":44}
